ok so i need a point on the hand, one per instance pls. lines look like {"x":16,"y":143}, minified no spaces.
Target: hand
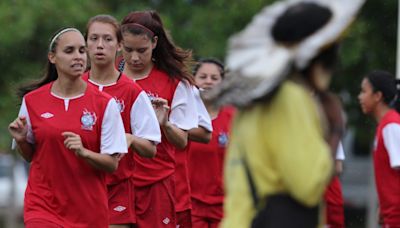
{"x":119,"y":156}
{"x":73,"y":142}
{"x":18,"y":129}
{"x":161,"y":108}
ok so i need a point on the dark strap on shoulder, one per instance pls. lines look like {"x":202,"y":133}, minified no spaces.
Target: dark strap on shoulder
{"x":253,"y":189}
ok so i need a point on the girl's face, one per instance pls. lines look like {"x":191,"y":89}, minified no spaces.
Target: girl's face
{"x":102,"y":43}
{"x":208,"y":76}
{"x":69,"y":56}
{"x":367,"y":98}
{"x":321,"y":77}
{"x":137,"y":51}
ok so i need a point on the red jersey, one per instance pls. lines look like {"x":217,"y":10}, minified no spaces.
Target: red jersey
{"x":206,"y":161}
{"x":334,"y":204}
{"x":63,"y":188}
{"x":387,"y":179}
{"x":125,"y":91}
{"x":159,"y":84}
{"x":182,"y":182}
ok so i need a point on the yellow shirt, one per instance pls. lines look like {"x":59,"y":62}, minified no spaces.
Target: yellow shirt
{"x":285,"y":150}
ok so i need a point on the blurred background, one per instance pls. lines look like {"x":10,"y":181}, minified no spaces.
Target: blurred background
{"x":203,"y":26}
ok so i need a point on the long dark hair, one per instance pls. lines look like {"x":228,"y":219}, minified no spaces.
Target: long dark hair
{"x":384,"y":82}
{"x":167,"y":56}
{"x":50,"y":72}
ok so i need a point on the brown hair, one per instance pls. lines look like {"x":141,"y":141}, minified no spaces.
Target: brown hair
{"x":106,"y":19}
{"x":167,"y":56}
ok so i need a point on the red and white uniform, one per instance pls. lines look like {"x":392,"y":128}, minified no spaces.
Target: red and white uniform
{"x":334,"y":198}
{"x":140,"y":120}
{"x":206,"y":163}
{"x":154,"y":177}
{"x":183,"y":114}
{"x":183,"y":195}
{"x":63,"y":188}
{"x":386,"y":167}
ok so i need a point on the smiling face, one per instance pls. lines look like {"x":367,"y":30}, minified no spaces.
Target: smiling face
{"x":208,"y":76}
{"x":102,"y":43}
{"x":367,"y":98}
{"x":69,"y":56}
{"x":137,"y":51}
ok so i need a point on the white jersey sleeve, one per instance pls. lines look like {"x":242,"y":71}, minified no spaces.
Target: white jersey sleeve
{"x":204,"y":116}
{"x":30,"y":138}
{"x":340,"y":152}
{"x":113,"y":138}
{"x":144,"y":123}
{"x":183,"y":108}
{"x":391,"y":136}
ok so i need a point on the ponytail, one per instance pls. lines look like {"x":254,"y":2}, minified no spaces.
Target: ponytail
{"x":50,"y":73}
{"x":49,"y":76}
{"x":386,"y":83}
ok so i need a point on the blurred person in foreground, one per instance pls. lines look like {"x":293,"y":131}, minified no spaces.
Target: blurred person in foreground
{"x":279,"y":159}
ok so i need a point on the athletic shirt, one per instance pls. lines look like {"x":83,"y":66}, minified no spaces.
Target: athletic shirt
{"x":183,"y":114}
{"x":63,"y":188}
{"x":182,"y":183}
{"x":206,"y":161}
{"x":271,"y":136}
{"x":137,"y":115}
{"x":386,"y":155}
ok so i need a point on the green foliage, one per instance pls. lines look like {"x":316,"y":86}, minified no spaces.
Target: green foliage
{"x":203,"y":26}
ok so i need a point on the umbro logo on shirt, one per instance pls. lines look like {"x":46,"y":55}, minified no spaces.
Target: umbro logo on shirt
{"x":166,"y":221}
{"x":47,"y":115}
{"x":119,"y":208}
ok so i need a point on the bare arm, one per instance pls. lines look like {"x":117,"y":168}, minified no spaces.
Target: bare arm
{"x":338,"y":167}
{"x":175,"y":135}
{"x":200,"y":135}
{"x":144,"y":147}
{"x":26,"y":150}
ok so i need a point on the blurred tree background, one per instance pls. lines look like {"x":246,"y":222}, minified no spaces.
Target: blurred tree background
{"x":201,"y":25}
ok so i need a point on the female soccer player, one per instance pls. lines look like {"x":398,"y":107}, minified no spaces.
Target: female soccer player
{"x":206,"y":161}
{"x":103,"y":39}
{"x":160,"y":68}
{"x":72,"y":134}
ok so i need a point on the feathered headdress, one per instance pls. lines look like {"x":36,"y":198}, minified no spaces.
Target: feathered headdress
{"x":258,"y":64}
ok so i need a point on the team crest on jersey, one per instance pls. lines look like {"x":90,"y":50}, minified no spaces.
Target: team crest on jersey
{"x":151,"y":95}
{"x":88,"y":120}
{"x":120,"y":103}
{"x":222,"y":139}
